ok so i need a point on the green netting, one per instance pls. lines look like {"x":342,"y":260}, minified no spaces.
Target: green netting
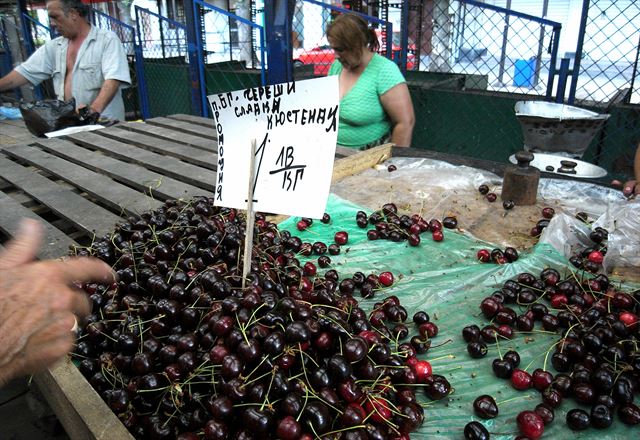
{"x":444,"y":279}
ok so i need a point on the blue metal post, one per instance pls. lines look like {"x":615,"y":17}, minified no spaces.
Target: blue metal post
{"x":139,"y":64}
{"x":404,"y":36}
{"x":26,"y":28}
{"x":26,"y":23}
{"x":562,"y":79}
{"x":552,"y":64}
{"x":277,"y":18}
{"x":578,"y":58}
{"x":195,"y":57}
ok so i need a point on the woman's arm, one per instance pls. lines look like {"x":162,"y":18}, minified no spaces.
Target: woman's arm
{"x":397,"y":104}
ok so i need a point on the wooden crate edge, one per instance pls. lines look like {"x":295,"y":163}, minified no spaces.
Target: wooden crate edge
{"x":78,"y":406}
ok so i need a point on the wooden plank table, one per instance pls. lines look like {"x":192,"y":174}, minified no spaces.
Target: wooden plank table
{"x":81,"y":185}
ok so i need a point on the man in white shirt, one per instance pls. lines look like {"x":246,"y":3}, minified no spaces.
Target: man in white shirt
{"x":86,"y":63}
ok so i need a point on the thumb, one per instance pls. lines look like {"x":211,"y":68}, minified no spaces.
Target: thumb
{"x":24,"y":247}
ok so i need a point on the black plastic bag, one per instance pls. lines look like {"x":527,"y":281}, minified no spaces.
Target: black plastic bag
{"x":42,"y":117}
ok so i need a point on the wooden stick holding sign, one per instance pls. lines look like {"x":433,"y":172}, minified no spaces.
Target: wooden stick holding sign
{"x":248,"y":234}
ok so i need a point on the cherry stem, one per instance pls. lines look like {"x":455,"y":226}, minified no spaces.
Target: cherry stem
{"x":328,"y":434}
{"x":528,"y":396}
{"x":498,"y":346}
{"x":441,"y":344}
{"x":273,"y":374}
{"x":446,"y":356}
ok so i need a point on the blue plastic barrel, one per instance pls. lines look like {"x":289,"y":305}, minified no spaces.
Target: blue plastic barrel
{"x":523,"y":73}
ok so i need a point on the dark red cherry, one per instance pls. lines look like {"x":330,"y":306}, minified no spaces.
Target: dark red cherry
{"x":485,"y":407}
{"x":530,"y":424}
{"x":476,"y":430}
{"x":578,"y":419}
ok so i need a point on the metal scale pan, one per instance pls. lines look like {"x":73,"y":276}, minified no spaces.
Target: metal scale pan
{"x":552,"y":163}
{"x":558,"y":135}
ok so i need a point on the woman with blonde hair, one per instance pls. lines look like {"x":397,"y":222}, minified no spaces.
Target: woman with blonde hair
{"x":375,"y":105}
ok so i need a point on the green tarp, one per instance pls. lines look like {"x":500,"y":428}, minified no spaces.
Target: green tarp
{"x":445,"y":280}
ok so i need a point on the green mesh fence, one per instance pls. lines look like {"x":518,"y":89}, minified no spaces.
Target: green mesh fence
{"x":444,"y":279}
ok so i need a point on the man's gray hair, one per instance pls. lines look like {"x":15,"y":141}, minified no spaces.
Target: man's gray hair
{"x":68,"y":5}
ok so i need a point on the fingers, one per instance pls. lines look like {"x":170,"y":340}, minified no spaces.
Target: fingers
{"x":630,"y":188}
{"x":24,"y":247}
{"x":71,"y":300}
{"x":85,"y":270}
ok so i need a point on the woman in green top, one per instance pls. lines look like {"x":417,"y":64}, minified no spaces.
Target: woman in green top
{"x":375,"y":105}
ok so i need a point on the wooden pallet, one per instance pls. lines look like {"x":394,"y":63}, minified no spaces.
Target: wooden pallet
{"x":82,"y":185}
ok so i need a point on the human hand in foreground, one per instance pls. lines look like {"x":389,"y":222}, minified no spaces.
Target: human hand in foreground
{"x":38,"y":303}
{"x":631,"y":188}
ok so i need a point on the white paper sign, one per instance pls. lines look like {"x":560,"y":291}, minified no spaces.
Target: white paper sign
{"x":296,"y":127}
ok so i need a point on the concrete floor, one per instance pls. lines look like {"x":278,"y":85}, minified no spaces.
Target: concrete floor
{"x":25,"y":415}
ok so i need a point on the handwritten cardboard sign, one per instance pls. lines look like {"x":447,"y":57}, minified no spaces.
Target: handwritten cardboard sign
{"x":295,"y":126}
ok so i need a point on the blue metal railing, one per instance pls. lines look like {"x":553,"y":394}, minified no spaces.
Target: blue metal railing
{"x":30,"y":30}
{"x":200,"y":47}
{"x":127,"y":35}
{"x":387,"y":25}
{"x":553,"y":46}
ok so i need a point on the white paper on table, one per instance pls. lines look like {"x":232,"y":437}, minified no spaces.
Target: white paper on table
{"x":296,"y":128}
{"x":72,"y":130}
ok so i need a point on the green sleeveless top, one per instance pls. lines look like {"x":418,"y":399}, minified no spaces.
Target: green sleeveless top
{"x":362,"y":117}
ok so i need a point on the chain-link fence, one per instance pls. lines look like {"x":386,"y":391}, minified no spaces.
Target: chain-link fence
{"x":163,"y":44}
{"x":312,"y":55}
{"x":608,"y":79}
{"x":608,"y":61}
{"x":513,"y":52}
{"x":474,"y":61}
{"x":135,"y":97}
{"x":232,"y":49}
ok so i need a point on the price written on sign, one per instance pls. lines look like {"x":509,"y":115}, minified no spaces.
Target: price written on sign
{"x":295,"y":126}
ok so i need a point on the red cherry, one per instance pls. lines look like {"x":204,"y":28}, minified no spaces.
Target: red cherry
{"x":435,"y":225}
{"x":370,"y":336}
{"x":309,"y":269}
{"x":289,"y":428}
{"x":412,"y":361}
{"x":520,"y":379}
{"x":530,"y":424}
{"x":596,"y":257}
{"x":341,"y":237}
{"x":302,"y":225}
{"x":437,"y":235}
{"x":484,"y":255}
{"x":630,"y":320}
{"x":386,"y":279}
{"x":505,"y":331}
{"x":428,"y":329}
{"x":422,"y":369}
{"x":541,"y":379}
{"x":558,"y":301}
{"x":378,"y":409}
{"x":548,"y":212}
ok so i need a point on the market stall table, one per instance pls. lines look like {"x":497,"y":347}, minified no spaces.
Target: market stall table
{"x":81,"y":185}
